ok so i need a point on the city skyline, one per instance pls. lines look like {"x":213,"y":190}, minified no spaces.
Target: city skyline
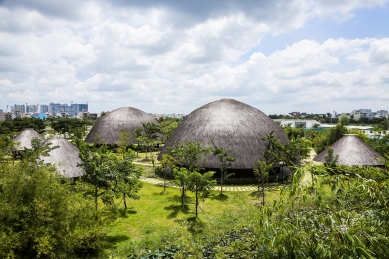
{"x":175,"y":56}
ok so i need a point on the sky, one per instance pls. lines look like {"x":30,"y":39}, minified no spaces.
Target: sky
{"x":314,"y":56}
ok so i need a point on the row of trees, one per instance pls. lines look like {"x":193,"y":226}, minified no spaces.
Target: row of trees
{"x":18,"y":124}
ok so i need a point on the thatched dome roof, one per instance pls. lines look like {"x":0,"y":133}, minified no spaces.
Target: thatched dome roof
{"x":25,"y":137}
{"x":109,"y":126}
{"x":352,"y":151}
{"x":65,"y":158}
{"x":232,"y":125}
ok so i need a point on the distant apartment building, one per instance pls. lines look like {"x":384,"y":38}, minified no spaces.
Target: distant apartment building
{"x":367,"y":113}
{"x":65,"y":110}
{"x":2,"y":115}
{"x":381,"y":114}
{"x":175,"y":115}
{"x":43,"y":108}
{"x":18,"y":108}
{"x":31,"y":108}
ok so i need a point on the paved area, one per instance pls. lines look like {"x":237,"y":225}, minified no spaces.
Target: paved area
{"x":227,"y":188}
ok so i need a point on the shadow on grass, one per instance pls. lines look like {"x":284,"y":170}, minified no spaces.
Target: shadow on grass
{"x":177,"y":199}
{"x":111,"y":241}
{"x":175,"y":209}
{"x":256,"y":194}
{"x":219,"y":197}
{"x":196,"y":225}
{"x":125,"y":213}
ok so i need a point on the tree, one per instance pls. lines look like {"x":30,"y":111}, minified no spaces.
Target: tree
{"x":190,"y":154}
{"x":98,"y":166}
{"x":151,"y":136}
{"x":139,"y":139}
{"x":225,"y":161}
{"x":69,"y":127}
{"x":168,"y":125}
{"x":19,"y":124}
{"x":108,"y":175}
{"x":338,"y":132}
{"x":168,"y":164}
{"x":181,"y":176}
{"x":124,"y":139}
{"x":7,"y":148}
{"x":262,"y":173}
{"x":330,"y":159}
{"x":126,"y":178}
{"x":42,"y":217}
{"x":201,"y":185}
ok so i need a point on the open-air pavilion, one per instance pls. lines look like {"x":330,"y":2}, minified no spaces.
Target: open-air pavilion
{"x":65,"y":158}
{"x":232,"y":125}
{"x":25,"y":137}
{"x":352,"y":151}
{"x":108,"y":128}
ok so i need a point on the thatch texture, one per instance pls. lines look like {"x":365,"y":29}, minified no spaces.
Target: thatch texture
{"x":352,"y":151}
{"x":232,"y":125}
{"x":107,"y":129}
{"x":65,"y":158}
{"x":26,"y":136}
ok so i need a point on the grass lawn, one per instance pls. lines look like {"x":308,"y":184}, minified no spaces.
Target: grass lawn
{"x":159,"y":215}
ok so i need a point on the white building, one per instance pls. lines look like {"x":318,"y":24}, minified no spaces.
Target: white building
{"x":305,"y":124}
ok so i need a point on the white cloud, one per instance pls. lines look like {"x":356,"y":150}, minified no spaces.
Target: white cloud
{"x":341,"y":10}
{"x":174,"y":56}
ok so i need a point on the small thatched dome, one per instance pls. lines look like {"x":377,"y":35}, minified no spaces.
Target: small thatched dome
{"x":232,"y":125}
{"x":353,"y":151}
{"x":107,"y":129}
{"x":65,"y":158}
{"x":26,"y":136}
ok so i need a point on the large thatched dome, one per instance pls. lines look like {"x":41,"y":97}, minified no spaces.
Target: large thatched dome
{"x":107,"y":129}
{"x":352,"y":151}
{"x":232,"y":125}
{"x":65,"y":158}
{"x":26,"y":136}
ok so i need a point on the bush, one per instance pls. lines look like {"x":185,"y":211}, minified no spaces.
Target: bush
{"x":42,"y":218}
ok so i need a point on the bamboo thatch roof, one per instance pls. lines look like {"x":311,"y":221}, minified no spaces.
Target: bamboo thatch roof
{"x":65,"y":158}
{"x":352,"y":151}
{"x":107,"y":129}
{"x":26,"y":136}
{"x":232,"y":125}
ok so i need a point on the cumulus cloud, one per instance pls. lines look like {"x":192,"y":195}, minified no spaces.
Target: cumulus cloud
{"x":175,"y":56}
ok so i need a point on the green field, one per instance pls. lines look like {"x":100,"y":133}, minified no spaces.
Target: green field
{"x":158,"y":215}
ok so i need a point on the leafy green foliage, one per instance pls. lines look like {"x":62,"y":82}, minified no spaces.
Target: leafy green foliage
{"x":168,"y":164}
{"x":201,"y":185}
{"x":19,"y":124}
{"x":262,"y":173}
{"x":331,"y":158}
{"x":169,"y":125}
{"x":290,"y":153}
{"x":42,"y":217}
{"x":225,"y":161}
{"x":339,"y":217}
{"x":189,"y":153}
{"x":338,"y":132}
{"x":108,"y":175}
{"x":181,"y":176}
{"x":69,"y":126}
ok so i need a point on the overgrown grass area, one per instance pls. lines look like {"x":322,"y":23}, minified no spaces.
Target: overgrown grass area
{"x":158,"y":217}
